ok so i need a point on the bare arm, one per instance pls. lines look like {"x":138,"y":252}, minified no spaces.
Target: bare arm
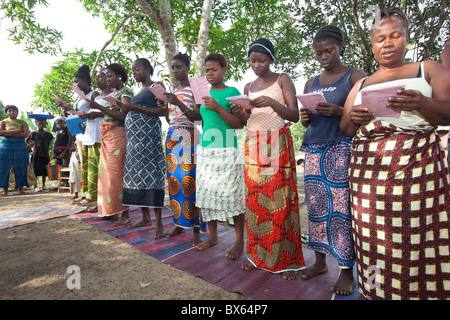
{"x":231,"y":119}
{"x":435,"y":109}
{"x":288,"y":112}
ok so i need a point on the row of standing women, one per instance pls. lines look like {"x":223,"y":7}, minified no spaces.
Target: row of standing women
{"x":377,"y":188}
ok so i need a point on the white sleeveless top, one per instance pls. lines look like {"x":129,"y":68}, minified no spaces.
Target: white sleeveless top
{"x":406,"y":118}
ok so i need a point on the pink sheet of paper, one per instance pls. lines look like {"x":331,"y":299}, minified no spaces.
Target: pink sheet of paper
{"x":111,"y":99}
{"x":242,"y":100}
{"x":70,"y":111}
{"x":158,"y":91}
{"x":79,"y":92}
{"x":311,"y":100}
{"x":200,"y":89}
{"x":375,"y":101}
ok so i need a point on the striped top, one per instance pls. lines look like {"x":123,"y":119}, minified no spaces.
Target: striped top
{"x":176,"y":116}
{"x":266,"y":118}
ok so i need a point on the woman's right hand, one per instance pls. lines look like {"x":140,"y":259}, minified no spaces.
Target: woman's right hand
{"x":305,"y":114}
{"x":172,"y":98}
{"x":360,"y":115}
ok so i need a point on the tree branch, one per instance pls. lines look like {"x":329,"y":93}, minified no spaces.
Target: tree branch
{"x":113,"y":35}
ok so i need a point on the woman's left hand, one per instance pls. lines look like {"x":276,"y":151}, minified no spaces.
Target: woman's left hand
{"x":262,"y":101}
{"x":329,"y":109}
{"x":408,"y":100}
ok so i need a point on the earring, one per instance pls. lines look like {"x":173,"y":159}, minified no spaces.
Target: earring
{"x":120,"y":79}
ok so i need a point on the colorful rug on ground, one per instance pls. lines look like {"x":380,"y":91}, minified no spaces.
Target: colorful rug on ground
{"x":9,"y":219}
{"x":214,"y":267}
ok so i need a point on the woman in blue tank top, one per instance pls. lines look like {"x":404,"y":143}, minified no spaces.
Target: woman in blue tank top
{"x":326,"y":162}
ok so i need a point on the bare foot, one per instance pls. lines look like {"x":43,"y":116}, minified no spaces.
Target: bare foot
{"x":142,"y":223}
{"x":196,"y":239}
{"x":207,"y":243}
{"x":313,"y":271}
{"x":21,"y":191}
{"x":4,"y":194}
{"x":247,"y":265}
{"x":235,"y":252}
{"x":92,"y":209}
{"x":289,"y":275}
{"x":113,"y":217}
{"x":159,"y":232}
{"x":175,"y":232}
{"x":345,"y":283}
{"x":122,"y":221}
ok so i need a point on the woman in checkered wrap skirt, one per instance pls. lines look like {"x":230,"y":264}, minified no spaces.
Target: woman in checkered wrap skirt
{"x":399,"y":178}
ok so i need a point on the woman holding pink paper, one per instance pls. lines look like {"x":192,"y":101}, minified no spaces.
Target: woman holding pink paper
{"x":327,"y":154}
{"x":113,"y":148}
{"x":87,"y":150}
{"x":399,"y":180}
{"x":220,"y":170}
{"x":143,"y":181}
{"x":181,"y":146}
{"x":273,"y":226}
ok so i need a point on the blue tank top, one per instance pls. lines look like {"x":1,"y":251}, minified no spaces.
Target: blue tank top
{"x":325,"y":129}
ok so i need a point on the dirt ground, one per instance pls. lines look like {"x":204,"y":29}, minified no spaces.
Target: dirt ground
{"x":34,"y":259}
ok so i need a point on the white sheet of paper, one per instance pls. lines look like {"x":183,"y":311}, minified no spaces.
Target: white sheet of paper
{"x":375,"y":101}
{"x":242,"y":100}
{"x":200,"y":89}
{"x":158,"y":91}
{"x":311,"y":100}
{"x":78,"y":91}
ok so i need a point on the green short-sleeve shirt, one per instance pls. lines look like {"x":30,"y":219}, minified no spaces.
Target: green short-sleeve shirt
{"x":216,"y":132}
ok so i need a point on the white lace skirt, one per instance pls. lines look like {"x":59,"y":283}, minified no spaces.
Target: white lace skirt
{"x":220,"y":183}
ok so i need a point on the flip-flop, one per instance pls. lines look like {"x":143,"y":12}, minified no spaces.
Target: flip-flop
{"x":305,"y":238}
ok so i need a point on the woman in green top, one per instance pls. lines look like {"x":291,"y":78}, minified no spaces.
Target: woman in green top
{"x":220,"y":171}
{"x":113,"y":147}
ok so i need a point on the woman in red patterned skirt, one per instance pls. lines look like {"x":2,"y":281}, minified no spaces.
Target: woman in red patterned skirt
{"x":272,"y":212}
{"x":399,"y":178}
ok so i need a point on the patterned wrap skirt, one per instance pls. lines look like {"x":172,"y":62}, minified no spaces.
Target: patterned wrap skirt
{"x":143,"y":183}
{"x":13,"y":154}
{"x":328,"y":199}
{"x":399,"y":187}
{"x":112,"y":163}
{"x":89,"y":170}
{"x":272,"y":211}
{"x":220,"y":183}
{"x":181,"y":166}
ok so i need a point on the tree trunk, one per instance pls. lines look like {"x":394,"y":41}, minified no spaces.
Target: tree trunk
{"x":163,"y":19}
{"x":203,"y":33}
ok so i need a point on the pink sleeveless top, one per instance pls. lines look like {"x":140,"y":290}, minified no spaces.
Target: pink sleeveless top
{"x":266,"y":118}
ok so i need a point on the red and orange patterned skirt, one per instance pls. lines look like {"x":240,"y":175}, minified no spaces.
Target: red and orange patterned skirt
{"x":272,"y":211}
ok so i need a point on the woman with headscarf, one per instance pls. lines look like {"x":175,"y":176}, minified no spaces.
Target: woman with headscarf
{"x":272,"y":211}
{"x":143,"y":182}
{"x":113,"y":148}
{"x":327,"y":154}
{"x":13,"y":150}
{"x":399,"y":179}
